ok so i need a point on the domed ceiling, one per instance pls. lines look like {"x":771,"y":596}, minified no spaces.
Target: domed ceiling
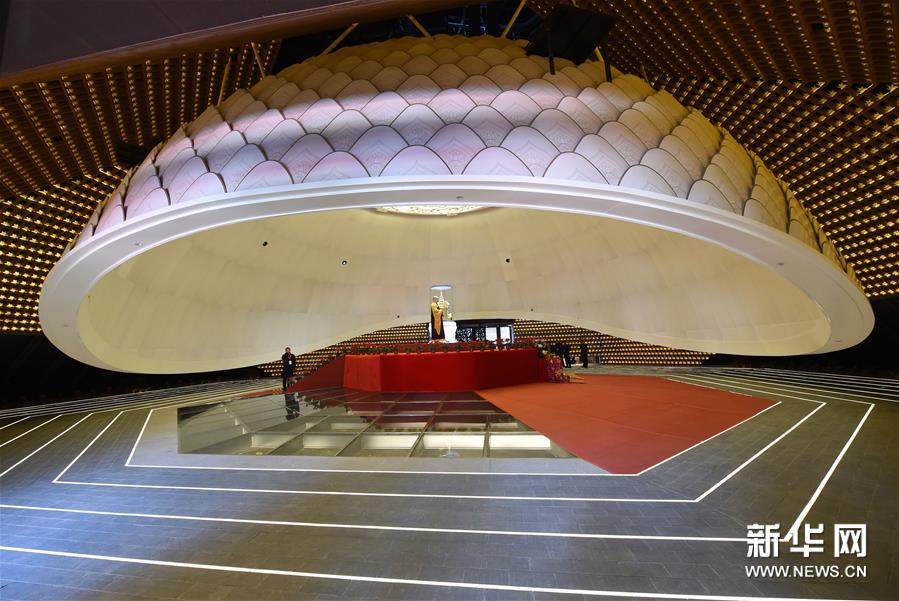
{"x":813,"y":93}
{"x":680,"y":236}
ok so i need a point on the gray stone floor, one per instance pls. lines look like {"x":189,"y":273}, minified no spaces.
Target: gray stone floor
{"x":77,"y":523}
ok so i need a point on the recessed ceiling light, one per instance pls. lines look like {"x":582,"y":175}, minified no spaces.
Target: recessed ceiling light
{"x":431,"y":210}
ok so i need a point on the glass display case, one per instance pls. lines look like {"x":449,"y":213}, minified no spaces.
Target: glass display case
{"x":443,"y":327}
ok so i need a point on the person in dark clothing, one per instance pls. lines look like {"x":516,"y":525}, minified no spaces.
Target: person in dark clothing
{"x":292,"y":404}
{"x":584,"y":356}
{"x":288,"y":364}
{"x":566,"y":354}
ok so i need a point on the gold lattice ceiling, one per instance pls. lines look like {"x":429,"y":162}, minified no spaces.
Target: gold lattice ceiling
{"x":809,"y":85}
{"x":57,"y":153}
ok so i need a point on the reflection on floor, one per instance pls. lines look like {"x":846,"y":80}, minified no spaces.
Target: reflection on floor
{"x":95,"y":503}
{"x":347,"y":423}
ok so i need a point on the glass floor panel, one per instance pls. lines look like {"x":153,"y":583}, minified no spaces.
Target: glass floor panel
{"x":460,"y":423}
{"x":401,"y":423}
{"x":342,"y":424}
{"x":414,"y":407}
{"x":468,"y":407}
{"x":351,"y":423}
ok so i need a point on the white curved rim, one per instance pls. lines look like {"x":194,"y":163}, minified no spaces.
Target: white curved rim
{"x":74,"y":276}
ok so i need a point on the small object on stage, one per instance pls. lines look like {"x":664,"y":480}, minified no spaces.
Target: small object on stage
{"x":553,"y":370}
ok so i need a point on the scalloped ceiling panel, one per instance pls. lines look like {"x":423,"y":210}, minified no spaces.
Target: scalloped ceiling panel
{"x":812,"y":92}
{"x":457,"y":106}
{"x":720,"y":254}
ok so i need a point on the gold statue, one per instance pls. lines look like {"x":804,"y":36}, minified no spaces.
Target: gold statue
{"x":439,"y":312}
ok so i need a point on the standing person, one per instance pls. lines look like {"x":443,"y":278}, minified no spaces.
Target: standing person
{"x":584,"y":353}
{"x":288,"y":364}
{"x":566,"y":354}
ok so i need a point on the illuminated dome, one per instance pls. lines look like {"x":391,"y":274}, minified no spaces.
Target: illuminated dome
{"x":623,"y":211}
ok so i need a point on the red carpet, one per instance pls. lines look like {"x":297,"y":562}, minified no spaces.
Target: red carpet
{"x":625,"y":424}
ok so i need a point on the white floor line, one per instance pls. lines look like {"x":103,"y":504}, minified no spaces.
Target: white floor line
{"x":96,"y":408}
{"x":130,"y":398}
{"x":112,"y":405}
{"x":14,"y":423}
{"x":823,"y":374}
{"x":712,"y":380}
{"x":802,"y":514}
{"x":760,"y":452}
{"x":674,"y":378}
{"x":833,"y":467}
{"x":351,"y":471}
{"x":830,"y":378}
{"x":406,"y":581}
{"x":162,"y":403}
{"x":77,"y":402}
{"x":27,"y":457}
{"x":137,"y":396}
{"x":94,"y":440}
{"x":346,"y":493}
{"x":429,"y":472}
{"x":30,"y":431}
{"x":805,"y":389}
{"x":357,"y":471}
{"x":515,"y":533}
{"x":168,"y":405}
{"x":139,"y":436}
{"x":172,"y":403}
{"x":834,"y":383}
{"x":813,"y":385}
{"x":820,"y":404}
{"x":863,"y":395}
{"x":89,"y":445}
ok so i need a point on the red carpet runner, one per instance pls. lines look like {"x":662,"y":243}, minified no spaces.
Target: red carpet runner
{"x":625,"y":424}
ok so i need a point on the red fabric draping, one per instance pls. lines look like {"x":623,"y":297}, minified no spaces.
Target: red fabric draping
{"x":441,"y":371}
{"x":362,"y":372}
{"x":327,"y":376}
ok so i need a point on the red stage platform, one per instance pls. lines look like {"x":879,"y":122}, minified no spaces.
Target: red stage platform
{"x":441,"y":371}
